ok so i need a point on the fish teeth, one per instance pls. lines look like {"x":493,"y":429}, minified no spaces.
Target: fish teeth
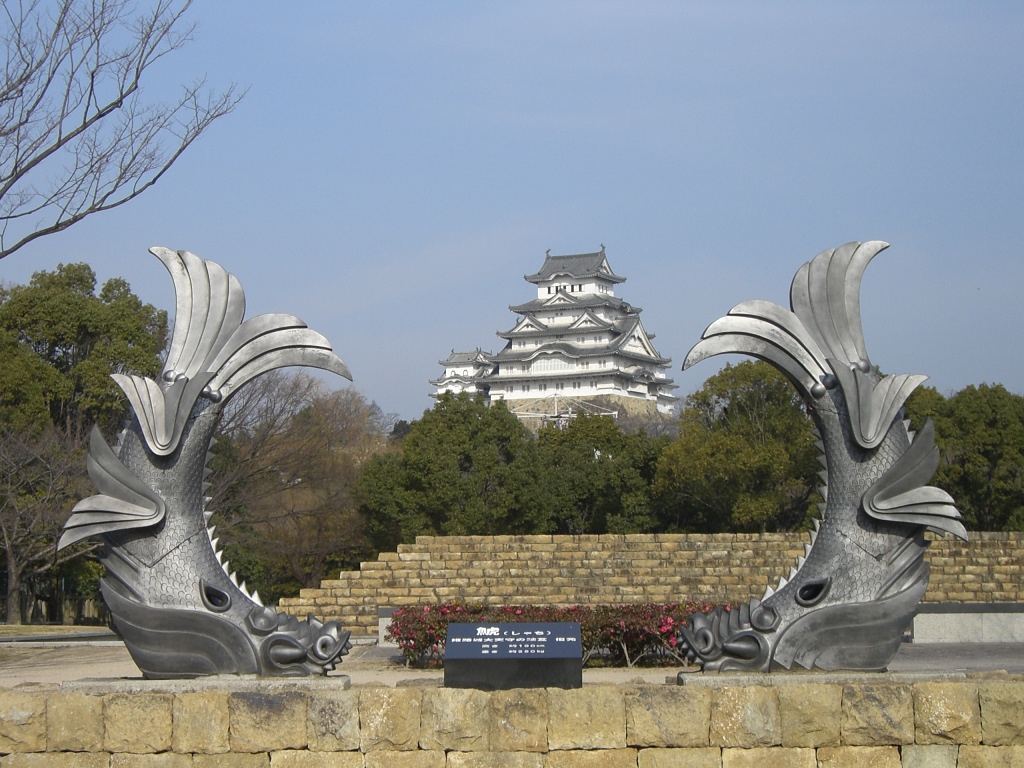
{"x":768,"y":592}
{"x":207,"y":514}
{"x":219,"y":556}
{"x":234,"y":578}
{"x":807,"y":549}
{"x":206,"y":487}
{"x":256,"y":598}
{"x":244,"y":590}
{"x":819,"y":445}
{"x":782,"y":582}
{"x":210,"y":530}
{"x":792,"y":573}
{"x":823,"y":461}
{"x":800,"y":562}
{"x":824,"y":477}
{"x":225,"y":565}
{"x":214,"y":543}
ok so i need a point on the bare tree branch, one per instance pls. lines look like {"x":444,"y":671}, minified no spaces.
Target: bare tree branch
{"x":77,"y":138}
{"x":41,"y":476}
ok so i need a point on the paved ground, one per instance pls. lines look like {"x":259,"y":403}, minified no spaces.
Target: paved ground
{"x":101,"y":655}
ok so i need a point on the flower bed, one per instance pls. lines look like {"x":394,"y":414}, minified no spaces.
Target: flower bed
{"x":620,"y":634}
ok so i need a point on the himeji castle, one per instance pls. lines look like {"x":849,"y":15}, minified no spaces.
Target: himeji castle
{"x":575,"y":342}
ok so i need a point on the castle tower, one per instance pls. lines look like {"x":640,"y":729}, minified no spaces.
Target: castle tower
{"x":575,"y":340}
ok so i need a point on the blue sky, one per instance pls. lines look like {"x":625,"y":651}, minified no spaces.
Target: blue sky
{"x":396,"y":168}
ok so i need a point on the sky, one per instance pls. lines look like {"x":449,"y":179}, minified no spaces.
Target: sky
{"x":396,"y":168}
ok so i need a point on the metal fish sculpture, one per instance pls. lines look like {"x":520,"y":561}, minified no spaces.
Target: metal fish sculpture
{"x":849,"y":599}
{"x":181,"y":611}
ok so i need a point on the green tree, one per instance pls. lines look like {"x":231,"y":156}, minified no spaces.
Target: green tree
{"x":462,"y":469}
{"x":980,"y":435}
{"x":65,"y":341}
{"x":60,"y":342}
{"x":745,"y":458}
{"x":598,"y":478}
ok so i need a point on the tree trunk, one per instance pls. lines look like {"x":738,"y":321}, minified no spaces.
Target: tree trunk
{"x":13,"y":591}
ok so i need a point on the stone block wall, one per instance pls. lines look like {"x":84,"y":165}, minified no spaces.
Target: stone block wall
{"x":611,"y":569}
{"x":878,"y":721}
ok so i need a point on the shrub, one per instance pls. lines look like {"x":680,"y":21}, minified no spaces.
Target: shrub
{"x":622,"y":634}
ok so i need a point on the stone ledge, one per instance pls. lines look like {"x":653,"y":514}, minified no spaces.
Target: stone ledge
{"x":801,"y":720}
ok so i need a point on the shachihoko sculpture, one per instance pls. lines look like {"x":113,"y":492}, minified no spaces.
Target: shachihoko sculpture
{"x":172,"y":599}
{"x":852,"y":595}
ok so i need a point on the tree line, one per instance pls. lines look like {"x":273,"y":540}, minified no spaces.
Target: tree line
{"x":308,"y":480}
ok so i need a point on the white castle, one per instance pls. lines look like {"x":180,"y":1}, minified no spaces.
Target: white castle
{"x":576,"y":341}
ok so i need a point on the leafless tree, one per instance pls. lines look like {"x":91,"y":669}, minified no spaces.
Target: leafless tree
{"x":76,"y":137}
{"x":290,"y":456}
{"x":42,"y":475}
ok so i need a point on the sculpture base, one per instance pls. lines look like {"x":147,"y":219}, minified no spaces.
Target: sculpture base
{"x":506,"y":674}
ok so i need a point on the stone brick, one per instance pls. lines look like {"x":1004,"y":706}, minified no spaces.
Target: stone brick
{"x":389,"y":718}
{"x":859,"y":757}
{"x":232,"y":760}
{"x":704,"y":757}
{"x":200,"y":722}
{"x":811,"y":714}
{"x":163,"y":760}
{"x":56,"y":760}
{"x":454,"y":718}
{"x":393,"y":759}
{"x":877,"y":714}
{"x":990,"y":757}
{"x":586,"y":718}
{"x":332,"y":723}
{"x":265,"y":722}
{"x":137,"y":722}
{"x":600,"y":758}
{"x":300,"y":758}
{"x":776,"y":757}
{"x":518,"y":720}
{"x":668,"y":716}
{"x":495,"y":760}
{"x":929,"y":756}
{"x":745,"y":717}
{"x":22,"y":722}
{"x":74,"y":723}
{"x":1002,"y":713}
{"x":947,"y":713}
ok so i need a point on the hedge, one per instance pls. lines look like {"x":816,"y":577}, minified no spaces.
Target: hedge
{"x":619,"y":634}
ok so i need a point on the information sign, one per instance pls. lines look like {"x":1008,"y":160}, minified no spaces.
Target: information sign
{"x":495,"y":657}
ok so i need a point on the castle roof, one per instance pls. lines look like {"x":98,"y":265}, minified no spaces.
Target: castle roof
{"x":578,"y":301}
{"x":466,"y":358}
{"x":588,"y":322}
{"x":578,"y":265}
